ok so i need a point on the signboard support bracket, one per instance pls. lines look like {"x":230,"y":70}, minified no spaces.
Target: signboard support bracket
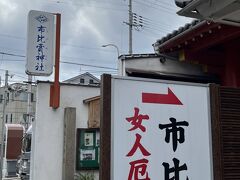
{"x":55,"y":87}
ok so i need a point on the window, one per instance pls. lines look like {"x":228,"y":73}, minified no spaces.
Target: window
{"x":24,"y":96}
{"x":1,"y":98}
{"x":82,"y":81}
{"x":11,"y":118}
{"x":32,"y":97}
{"x":6,"y":120}
{"x":25,"y":117}
{"x":11,"y":96}
{"x":7,"y":97}
{"x":91,"y":81}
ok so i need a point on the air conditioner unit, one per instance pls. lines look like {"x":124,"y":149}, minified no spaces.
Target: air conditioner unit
{"x":222,"y":11}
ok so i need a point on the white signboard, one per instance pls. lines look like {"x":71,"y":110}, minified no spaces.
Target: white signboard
{"x":160,"y":131}
{"x":40,"y":43}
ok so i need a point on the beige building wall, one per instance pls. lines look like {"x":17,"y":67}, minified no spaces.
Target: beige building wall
{"x":16,"y":104}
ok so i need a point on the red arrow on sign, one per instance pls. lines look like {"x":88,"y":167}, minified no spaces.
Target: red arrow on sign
{"x":169,"y":98}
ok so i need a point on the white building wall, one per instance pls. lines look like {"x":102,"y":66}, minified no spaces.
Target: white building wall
{"x":47,"y":144}
{"x":86,"y":79}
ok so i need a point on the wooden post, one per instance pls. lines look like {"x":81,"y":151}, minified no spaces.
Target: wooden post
{"x":69,"y":145}
{"x":105,"y":128}
{"x":216,"y":132}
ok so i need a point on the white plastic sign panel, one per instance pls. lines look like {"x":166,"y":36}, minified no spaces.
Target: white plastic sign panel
{"x":40,"y":43}
{"x":160,"y":131}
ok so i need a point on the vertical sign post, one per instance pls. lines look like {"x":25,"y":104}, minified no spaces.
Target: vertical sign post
{"x":55,"y":88}
{"x":159,"y":130}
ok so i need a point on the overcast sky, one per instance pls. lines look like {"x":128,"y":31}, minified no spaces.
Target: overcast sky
{"x":86,"y":26}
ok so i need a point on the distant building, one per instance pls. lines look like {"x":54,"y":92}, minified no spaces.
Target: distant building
{"x":16,"y":104}
{"x":84,"y":79}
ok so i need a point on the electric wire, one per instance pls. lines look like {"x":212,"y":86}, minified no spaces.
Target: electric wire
{"x":159,"y":4}
{"x":140,"y":3}
{"x":150,"y":21}
{"x":89,"y":5}
{"x":11,"y":54}
{"x":62,"y":44}
{"x":81,"y":64}
{"x":67,"y":62}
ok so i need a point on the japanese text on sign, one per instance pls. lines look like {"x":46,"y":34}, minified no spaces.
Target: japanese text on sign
{"x":164,"y":139}
{"x":40,"y":50}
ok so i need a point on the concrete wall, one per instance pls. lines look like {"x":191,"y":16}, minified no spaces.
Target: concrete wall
{"x":47,"y":144}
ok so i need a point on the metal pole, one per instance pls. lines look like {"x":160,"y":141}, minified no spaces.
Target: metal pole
{"x":55,"y":88}
{"x":29,"y":105}
{"x":3,"y":121}
{"x":130,"y":26}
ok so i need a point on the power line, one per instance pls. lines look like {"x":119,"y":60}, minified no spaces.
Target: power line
{"x":62,"y":44}
{"x":149,"y":34}
{"x":160,"y":4}
{"x":166,"y":3}
{"x":140,"y":23}
{"x":12,"y":49}
{"x":81,"y":64}
{"x":153,"y":28}
{"x":88,"y":5}
{"x":158,"y":28}
{"x":109,"y":2}
{"x":153,"y":7}
{"x":12,"y":60}
{"x":11,"y":36}
{"x":73,"y":63}
{"x":88,"y":48}
{"x":154,"y":33}
{"x":11,"y":54}
{"x":3,"y":80}
{"x":150,"y":21}
{"x":20,"y":76}
{"x":11,"y":71}
{"x":87,"y":2}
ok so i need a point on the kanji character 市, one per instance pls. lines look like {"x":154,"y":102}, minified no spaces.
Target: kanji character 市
{"x":138,"y":170}
{"x":137,"y":119}
{"x":41,"y":29}
{"x":174,"y":129}
{"x":138,"y":145}
{"x":175,"y":170}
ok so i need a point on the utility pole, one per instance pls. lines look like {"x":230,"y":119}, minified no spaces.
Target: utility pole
{"x":29,"y":104}
{"x":130,"y":26}
{"x":3,"y":120}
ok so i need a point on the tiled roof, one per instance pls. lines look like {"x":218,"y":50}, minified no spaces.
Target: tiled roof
{"x":181,"y":30}
{"x":132,"y":56}
{"x":150,"y":55}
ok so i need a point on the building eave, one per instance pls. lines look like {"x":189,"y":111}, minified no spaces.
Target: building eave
{"x":184,"y":37}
